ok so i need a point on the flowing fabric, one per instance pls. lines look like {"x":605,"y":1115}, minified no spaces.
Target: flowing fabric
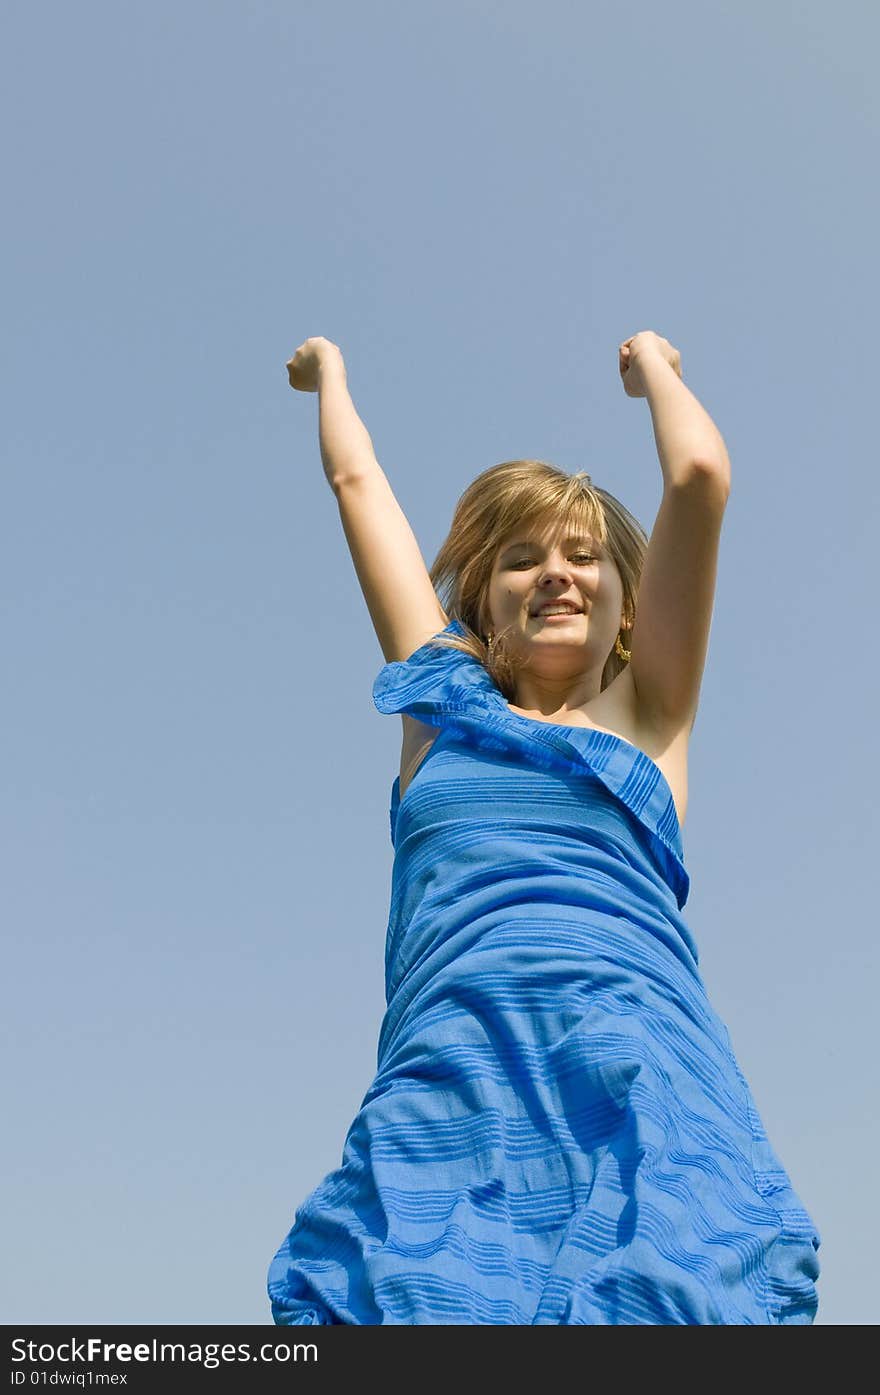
{"x":558,"y":1131}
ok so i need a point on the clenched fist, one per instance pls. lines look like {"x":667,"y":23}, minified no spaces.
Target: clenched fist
{"x":303,"y":370}
{"x":632,"y":350}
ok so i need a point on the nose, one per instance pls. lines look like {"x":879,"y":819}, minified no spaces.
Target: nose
{"x":554,"y":569}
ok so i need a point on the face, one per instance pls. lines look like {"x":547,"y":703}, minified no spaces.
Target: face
{"x":529,"y":572}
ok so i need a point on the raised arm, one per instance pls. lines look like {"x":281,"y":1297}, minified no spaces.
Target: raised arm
{"x":670,"y":637}
{"x":400,"y":596}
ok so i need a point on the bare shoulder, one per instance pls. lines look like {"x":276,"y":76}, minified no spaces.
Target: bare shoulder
{"x":618,"y":709}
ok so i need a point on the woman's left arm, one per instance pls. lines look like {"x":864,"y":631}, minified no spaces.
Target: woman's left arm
{"x":670,"y":637}
{"x":686,"y":436}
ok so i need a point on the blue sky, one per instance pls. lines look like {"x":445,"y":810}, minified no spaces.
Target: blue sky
{"x":478,"y":203}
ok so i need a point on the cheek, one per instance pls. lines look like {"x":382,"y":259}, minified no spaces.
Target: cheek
{"x":506,"y":590}
{"x":610,"y":588}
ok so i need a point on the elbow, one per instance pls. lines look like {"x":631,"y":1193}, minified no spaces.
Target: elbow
{"x":711,"y":474}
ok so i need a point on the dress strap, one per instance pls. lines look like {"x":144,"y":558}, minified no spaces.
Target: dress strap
{"x":435,"y":683}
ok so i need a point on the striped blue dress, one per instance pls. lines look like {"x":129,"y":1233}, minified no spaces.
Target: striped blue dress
{"x":558,"y":1131}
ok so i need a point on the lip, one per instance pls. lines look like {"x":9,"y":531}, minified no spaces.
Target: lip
{"x":543,"y":614}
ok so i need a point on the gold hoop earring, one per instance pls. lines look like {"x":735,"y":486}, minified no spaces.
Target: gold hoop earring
{"x":625,"y":654}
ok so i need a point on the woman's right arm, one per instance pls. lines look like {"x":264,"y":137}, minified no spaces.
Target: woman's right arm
{"x":400,"y":597}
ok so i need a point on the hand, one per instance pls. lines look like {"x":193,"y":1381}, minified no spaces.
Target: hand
{"x":646,"y":344}
{"x":304,"y":369}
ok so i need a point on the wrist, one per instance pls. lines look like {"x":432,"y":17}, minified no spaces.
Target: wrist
{"x":658,"y":376}
{"x":330,"y":367}
{"x":651,"y":360}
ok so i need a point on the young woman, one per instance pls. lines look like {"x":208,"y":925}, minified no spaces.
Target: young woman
{"x":558,"y":1131}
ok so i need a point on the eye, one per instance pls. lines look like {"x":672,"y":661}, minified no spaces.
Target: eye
{"x":585,"y":558}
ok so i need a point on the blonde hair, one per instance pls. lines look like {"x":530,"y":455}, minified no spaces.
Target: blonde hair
{"x":527,"y":495}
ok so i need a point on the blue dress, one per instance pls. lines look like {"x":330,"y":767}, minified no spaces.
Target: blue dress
{"x":558,"y":1131}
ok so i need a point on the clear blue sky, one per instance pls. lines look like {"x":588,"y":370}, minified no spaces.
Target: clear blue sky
{"x":477,"y":202}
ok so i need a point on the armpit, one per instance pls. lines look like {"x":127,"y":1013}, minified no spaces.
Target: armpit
{"x":418,"y":738}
